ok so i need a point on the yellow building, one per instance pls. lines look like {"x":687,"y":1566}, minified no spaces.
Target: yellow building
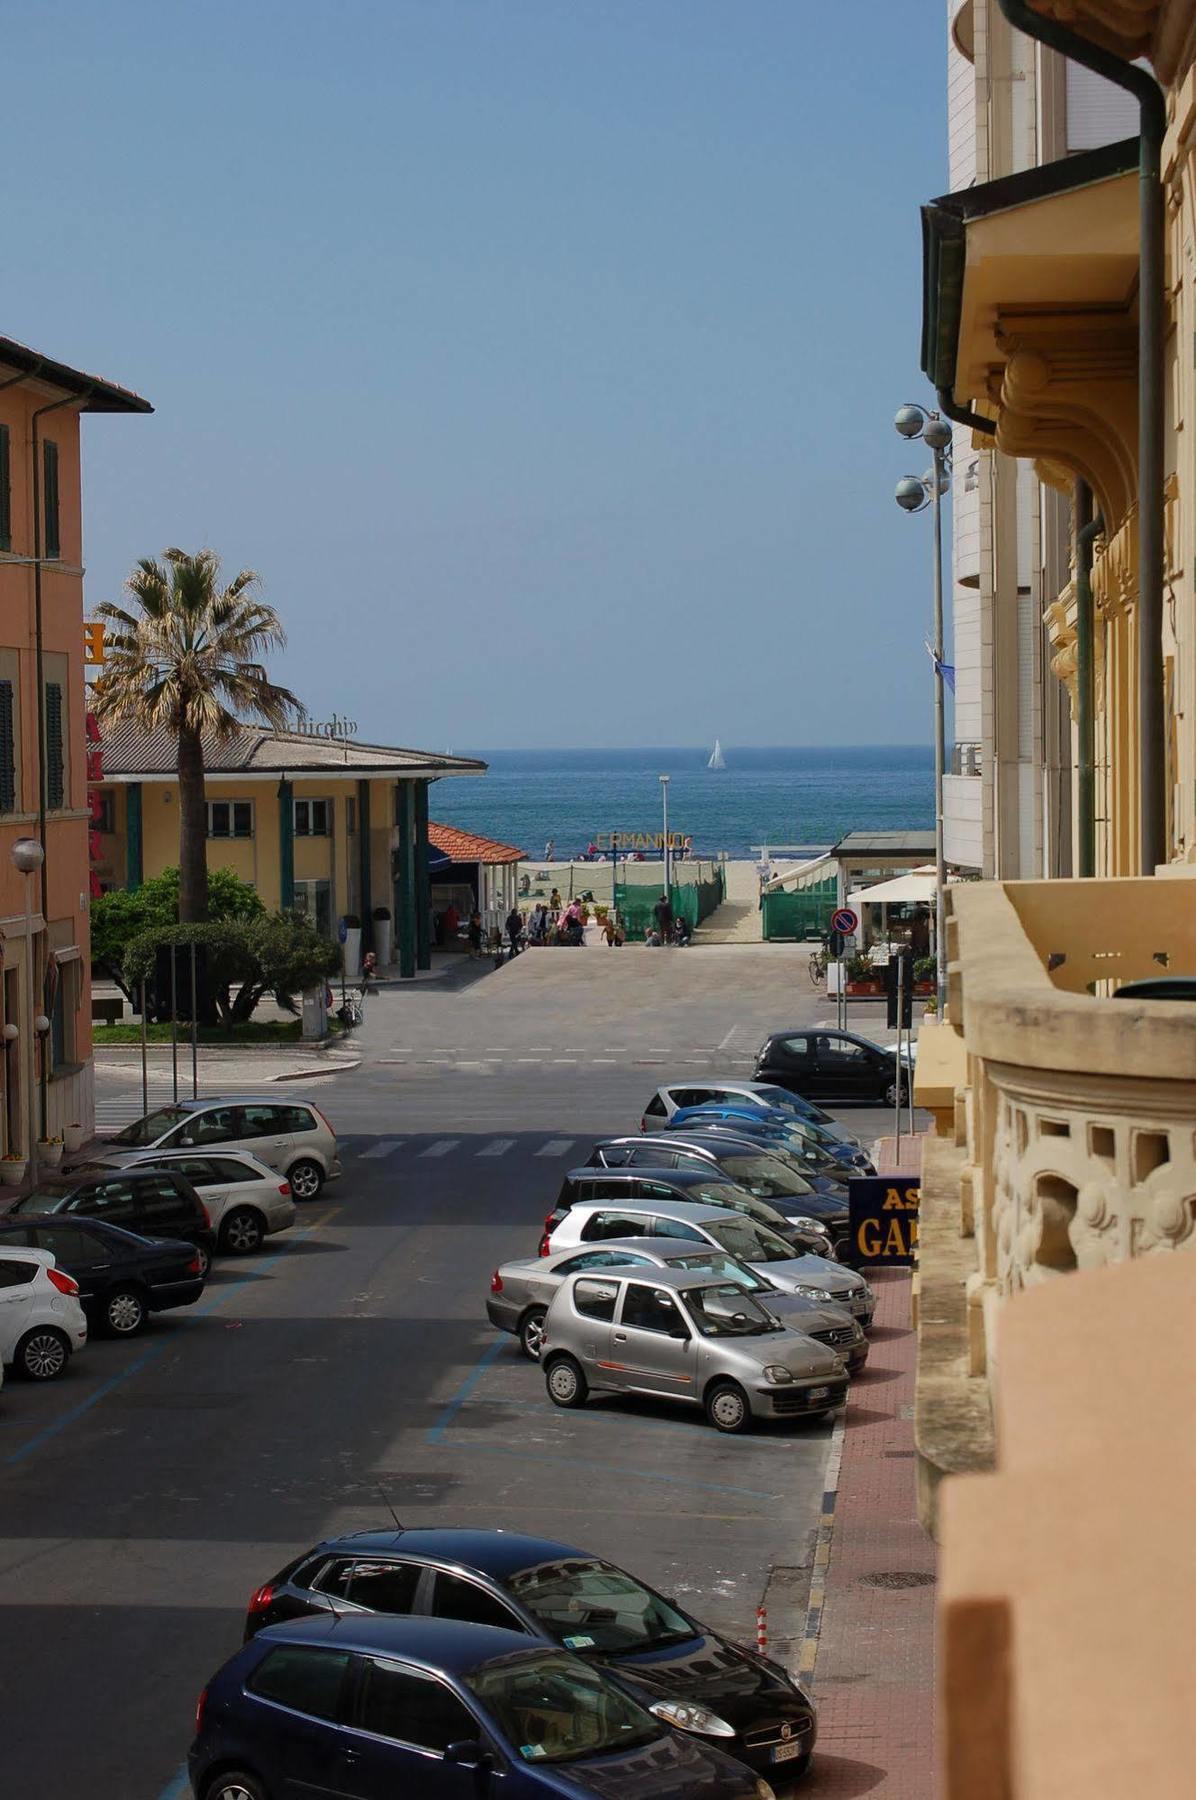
{"x":45,"y":1074}
{"x":321,"y":823}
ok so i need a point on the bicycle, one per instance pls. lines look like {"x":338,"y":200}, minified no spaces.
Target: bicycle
{"x":817,"y":965}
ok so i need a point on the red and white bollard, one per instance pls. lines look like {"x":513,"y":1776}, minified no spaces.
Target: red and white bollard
{"x":762,"y":1629}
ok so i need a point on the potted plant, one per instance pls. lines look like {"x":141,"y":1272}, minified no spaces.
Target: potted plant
{"x":925,"y":975}
{"x":863,"y":979}
{"x":351,"y":948}
{"x":12,"y":1169}
{"x":49,"y":1152}
{"x":383,"y":936}
{"x":74,"y":1137}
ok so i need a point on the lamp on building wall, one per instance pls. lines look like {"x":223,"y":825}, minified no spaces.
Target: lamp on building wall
{"x":28,"y":857}
{"x":914,"y":494}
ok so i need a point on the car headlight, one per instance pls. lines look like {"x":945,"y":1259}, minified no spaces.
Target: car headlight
{"x":688,"y":1717}
{"x":814,"y":1293}
{"x":775,"y":1373}
{"x":764,"y":1790}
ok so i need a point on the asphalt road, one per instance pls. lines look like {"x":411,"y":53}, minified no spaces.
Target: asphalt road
{"x":350,"y":1368}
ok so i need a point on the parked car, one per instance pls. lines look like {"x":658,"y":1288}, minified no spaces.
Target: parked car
{"x":675,"y":1095}
{"x":763,"y":1169}
{"x":818,"y":1064}
{"x":41,"y":1321}
{"x":386,"y":1707}
{"x":837,"y":1162}
{"x":245,"y":1200}
{"x":599,"y":1221}
{"x":291,"y":1136}
{"x":521,"y":1290}
{"x":687,"y":1336}
{"x":151,"y":1201}
{"x":658,"y":1653}
{"x":121,"y":1278}
{"x":707,"y":1186}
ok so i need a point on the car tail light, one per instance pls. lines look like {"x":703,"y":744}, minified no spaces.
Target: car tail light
{"x":496,"y":1281}
{"x":200,"y":1705}
{"x":195,"y":1267}
{"x":285,"y":1189}
{"x":207,"y":1217}
{"x":545,"y":1244}
{"x":261,"y":1597}
{"x":66,"y":1284}
{"x":327,"y":1123}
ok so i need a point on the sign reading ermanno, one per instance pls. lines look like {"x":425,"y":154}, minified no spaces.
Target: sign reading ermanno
{"x":884,"y":1218}
{"x":641,"y":840}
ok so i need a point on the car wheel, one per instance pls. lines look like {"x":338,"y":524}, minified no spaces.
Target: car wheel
{"x":890,"y":1095}
{"x":42,"y":1353}
{"x":124,"y":1312}
{"x":235,"y":1784}
{"x":306,"y":1179}
{"x":531,"y":1333}
{"x":565,"y":1382}
{"x":205,"y":1259}
{"x":241,"y":1233}
{"x":727,"y":1407}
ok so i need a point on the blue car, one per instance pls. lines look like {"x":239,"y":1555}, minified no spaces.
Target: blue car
{"x":831,"y":1158}
{"x":372,"y":1708}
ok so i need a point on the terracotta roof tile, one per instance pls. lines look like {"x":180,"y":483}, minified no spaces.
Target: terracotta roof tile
{"x":466,"y":846}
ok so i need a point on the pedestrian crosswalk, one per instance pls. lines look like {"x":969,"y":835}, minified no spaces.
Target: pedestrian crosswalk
{"x":361,"y":1149}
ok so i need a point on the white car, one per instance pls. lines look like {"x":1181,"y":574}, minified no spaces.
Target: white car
{"x":245,"y":1200}
{"x":41,"y":1320}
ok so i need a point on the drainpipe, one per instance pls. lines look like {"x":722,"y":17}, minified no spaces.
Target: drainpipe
{"x":1151,"y":320}
{"x":1088,"y":529}
{"x":963,"y":415}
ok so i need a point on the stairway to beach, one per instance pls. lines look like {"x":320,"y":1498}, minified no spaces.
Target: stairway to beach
{"x":737,"y":920}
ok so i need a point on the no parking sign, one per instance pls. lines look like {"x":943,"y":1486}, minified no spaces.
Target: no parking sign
{"x":844,"y":920}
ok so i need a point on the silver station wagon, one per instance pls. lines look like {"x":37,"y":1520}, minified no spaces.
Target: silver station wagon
{"x":684,"y":1335}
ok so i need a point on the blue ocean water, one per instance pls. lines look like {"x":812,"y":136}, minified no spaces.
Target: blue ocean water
{"x":799,"y":795}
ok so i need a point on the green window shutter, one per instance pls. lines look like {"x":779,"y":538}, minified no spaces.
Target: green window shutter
{"x":55,"y":767}
{"x":8,"y":750}
{"x":5,"y":489}
{"x":53,"y":542}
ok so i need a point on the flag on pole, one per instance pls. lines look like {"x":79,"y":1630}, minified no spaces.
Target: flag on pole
{"x":945,"y":669}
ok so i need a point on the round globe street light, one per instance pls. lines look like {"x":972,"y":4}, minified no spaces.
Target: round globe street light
{"x":914,"y":494}
{"x":28,"y":857}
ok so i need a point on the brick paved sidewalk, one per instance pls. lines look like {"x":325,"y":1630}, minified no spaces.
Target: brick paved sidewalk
{"x":873,"y":1663}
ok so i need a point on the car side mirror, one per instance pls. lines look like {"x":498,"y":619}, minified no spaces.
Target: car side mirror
{"x":680,"y":1333}
{"x":187,"y":1141}
{"x":468,"y":1753}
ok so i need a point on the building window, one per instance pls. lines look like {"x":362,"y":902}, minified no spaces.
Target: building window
{"x":230,"y":818}
{"x":311,"y":818}
{"x":55,"y":751}
{"x":313,"y":899}
{"x":5,"y":489}
{"x":51,"y":533}
{"x":351,"y":816}
{"x":8,"y":748}
{"x":60,"y":1004}
{"x":103,"y":816}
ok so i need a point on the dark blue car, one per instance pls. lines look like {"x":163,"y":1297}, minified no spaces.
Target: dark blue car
{"x":818,"y":1138}
{"x":371,"y":1708}
{"x":817,"y":1162}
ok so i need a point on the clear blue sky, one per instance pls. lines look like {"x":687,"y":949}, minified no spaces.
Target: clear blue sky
{"x":541,"y":354}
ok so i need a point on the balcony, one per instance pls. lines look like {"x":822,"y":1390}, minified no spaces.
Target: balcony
{"x":1065,"y":1121}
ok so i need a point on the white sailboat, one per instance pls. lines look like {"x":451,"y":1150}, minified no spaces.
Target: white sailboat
{"x":717,"y":760}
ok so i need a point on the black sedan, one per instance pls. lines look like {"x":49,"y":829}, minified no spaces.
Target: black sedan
{"x":832,"y":1065}
{"x":122,"y":1277}
{"x":687,"y":1675}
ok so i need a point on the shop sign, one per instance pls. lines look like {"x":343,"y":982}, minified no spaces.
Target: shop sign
{"x":335,"y":727}
{"x":884,"y":1218}
{"x":641,"y":840}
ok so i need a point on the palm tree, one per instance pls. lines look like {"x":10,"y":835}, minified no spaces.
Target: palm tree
{"x":187,"y":660}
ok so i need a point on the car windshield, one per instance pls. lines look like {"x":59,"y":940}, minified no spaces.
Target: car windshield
{"x":748,"y":1241}
{"x":727,"y":1193}
{"x":151,"y":1128}
{"x":554,"y":1708}
{"x":782,"y":1098}
{"x":594,"y":1606}
{"x":711,"y":1262}
{"x":728,"y":1310}
{"x":767,"y":1174}
{"x":41,"y":1200}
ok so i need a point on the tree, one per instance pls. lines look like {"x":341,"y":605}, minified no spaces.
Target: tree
{"x":270,"y":953}
{"x":120,"y":916}
{"x":187,"y":660}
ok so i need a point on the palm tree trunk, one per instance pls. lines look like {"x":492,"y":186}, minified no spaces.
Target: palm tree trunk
{"x":193,"y":830}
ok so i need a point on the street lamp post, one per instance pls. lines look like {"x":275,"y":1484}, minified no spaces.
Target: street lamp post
{"x":668,"y":871}
{"x":28,"y":856}
{"x":914,"y":493}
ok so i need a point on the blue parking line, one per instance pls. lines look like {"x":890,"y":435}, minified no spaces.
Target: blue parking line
{"x":150,"y":1356}
{"x":449,"y":1411}
{"x":607,"y":1468}
{"x":177,"y":1787}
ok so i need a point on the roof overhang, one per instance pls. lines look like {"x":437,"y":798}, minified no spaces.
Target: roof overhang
{"x":96,"y":394}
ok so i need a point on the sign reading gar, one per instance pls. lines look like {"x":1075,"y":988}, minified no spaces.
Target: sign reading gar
{"x":884,"y":1218}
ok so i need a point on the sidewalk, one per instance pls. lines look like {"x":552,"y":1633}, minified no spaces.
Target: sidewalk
{"x":870,"y":1634}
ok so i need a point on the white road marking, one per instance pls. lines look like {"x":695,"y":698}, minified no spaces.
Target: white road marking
{"x":385,"y":1148}
{"x":724,"y":1043}
{"x":609,"y":1061}
{"x":497,"y":1147}
{"x":441,"y":1147}
{"x":555,"y":1147}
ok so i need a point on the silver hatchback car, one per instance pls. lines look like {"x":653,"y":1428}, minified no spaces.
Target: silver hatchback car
{"x":684,"y":1335}
{"x":292,"y":1136}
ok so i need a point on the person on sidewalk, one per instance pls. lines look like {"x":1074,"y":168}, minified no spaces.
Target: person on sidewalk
{"x":515,"y":929}
{"x":555,"y":903}
{"x":663,"y":912}
{"x":474,"y":932}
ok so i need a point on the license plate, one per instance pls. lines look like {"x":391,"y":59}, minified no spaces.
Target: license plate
{"x":786,"y":1752}
{"x":818,"y":1393}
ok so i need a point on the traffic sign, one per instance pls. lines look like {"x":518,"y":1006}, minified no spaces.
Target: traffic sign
{"x":844,"y":920}
{"x":342,"y":932}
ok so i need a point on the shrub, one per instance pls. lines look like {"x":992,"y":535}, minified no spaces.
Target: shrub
{"x":276,"y":953}
{"x":121,"y":916}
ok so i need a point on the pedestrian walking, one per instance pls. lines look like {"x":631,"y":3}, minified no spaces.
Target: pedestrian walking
{"x":369,"y":963}
{"x":555,"y":903}
{"x":663,"y":913}
{"x":474,"y":933}
{"x":451,"y":921}
{"x":514,"y":929}
{"x":550,"y":851}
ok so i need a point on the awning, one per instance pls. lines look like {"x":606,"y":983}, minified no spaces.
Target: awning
{"x":903,"y":890}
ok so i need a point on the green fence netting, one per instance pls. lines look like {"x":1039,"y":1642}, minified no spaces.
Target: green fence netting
{"x":803,"y":914}
{"x":692,"y":901}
